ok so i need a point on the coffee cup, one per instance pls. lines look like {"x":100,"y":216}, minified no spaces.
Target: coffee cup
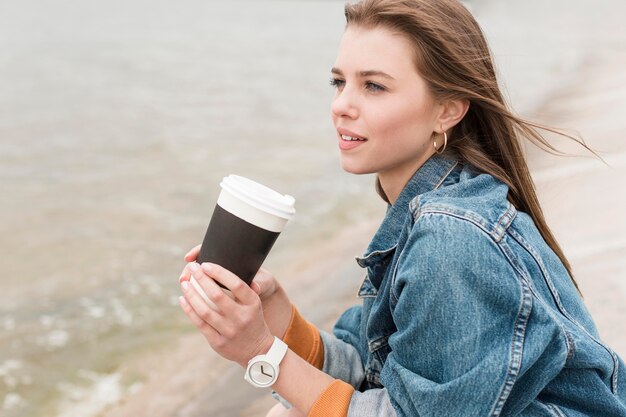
{"x":247,"y":219}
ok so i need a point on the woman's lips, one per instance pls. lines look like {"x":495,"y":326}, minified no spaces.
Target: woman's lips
{"x":349,"y":140}
{"x":346,"y":145}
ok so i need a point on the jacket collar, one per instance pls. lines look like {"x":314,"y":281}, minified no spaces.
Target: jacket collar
{"x":427,"y":178}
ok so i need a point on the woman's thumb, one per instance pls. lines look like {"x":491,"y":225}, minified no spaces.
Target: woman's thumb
{"x":256,"y":287}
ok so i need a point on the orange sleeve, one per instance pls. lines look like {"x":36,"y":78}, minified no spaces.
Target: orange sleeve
{"x":304,"y":339}
{"x":334,"y":401}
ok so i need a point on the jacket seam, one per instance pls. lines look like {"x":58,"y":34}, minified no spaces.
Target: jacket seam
{"x":555,"y":295}
{"x":571,"y":346}
{"x":615,"y":372}
{"x":554,"y":410}
{"x":569,"y":342}
{"x":517,"y":348}
{"x":448,"y":211}
{"x":446,"y":175}
{"x":379,"y":343}
{"x":469,"y":217}
{"x":496,"y":232}
{"x":505,"y":220}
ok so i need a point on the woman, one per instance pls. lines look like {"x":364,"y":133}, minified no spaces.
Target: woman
{"x":468,"y":307}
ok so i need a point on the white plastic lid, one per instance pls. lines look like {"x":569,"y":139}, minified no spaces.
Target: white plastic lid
{"x":256,"y":195}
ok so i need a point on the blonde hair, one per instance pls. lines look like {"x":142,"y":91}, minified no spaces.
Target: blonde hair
{"x":452,"y":55}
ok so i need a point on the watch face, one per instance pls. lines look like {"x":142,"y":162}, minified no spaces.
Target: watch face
{"x":262,"y":373}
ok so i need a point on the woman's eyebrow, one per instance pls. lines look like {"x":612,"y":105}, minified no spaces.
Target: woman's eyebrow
{"x":368,"y":73}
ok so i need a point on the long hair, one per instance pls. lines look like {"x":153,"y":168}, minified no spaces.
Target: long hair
{"x":452,"y":55}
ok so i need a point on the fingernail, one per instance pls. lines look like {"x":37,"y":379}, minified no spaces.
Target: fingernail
{"x":207,"y":266}
{"x":193,"y":266}
{"x":185,"y":286}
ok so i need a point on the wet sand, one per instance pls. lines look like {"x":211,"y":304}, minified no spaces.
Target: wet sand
{"x":583,"y":200}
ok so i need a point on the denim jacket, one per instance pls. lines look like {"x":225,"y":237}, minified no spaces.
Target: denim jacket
{"x":466,"y":311}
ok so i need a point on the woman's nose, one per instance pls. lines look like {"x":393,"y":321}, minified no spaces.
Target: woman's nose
{"x":344,"y":105}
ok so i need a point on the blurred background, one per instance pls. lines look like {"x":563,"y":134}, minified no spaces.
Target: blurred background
{"x":119,"y":118}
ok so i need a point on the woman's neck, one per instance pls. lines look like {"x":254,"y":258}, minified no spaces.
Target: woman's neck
{"x":394,"y":180}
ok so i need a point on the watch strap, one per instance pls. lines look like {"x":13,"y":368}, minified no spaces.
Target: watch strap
{"x":277,"y":352}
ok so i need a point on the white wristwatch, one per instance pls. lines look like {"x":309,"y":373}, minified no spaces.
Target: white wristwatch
{"x":262,"y":371}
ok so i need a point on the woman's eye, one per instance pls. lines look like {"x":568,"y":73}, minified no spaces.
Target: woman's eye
{"x":337,"y":83}
{"x":373,"y":87}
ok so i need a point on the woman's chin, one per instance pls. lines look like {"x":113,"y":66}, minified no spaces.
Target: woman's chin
{"x":355,"y":168}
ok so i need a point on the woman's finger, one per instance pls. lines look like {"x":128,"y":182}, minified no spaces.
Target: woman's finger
{"x":264,"y":284}
{"x":237,"y":286}
{"x":202,"y":309}
{"x":185,"y":275}
{"x":192,"y":254}
{"x":214,"y":293}
{"x":202,"y":325}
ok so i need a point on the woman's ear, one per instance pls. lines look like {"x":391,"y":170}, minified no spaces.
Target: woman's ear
{"x":452,"y":112}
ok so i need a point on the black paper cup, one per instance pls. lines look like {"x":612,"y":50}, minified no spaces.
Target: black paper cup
{"x":247,"y":220}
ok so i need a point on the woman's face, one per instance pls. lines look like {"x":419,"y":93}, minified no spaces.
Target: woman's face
{"x":381,"y":100}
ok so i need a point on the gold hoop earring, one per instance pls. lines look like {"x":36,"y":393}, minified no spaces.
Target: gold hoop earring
{"x":445,"y":143}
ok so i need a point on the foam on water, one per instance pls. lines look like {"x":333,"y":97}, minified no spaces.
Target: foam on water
{"x":55,"y":339}
{"x":9,"y":376}
{"x":8,"y":323}
{"x":123,"y":315}
{"x":90,"y":400}
{"x":9,"y":366}
{"x":12,"y":401}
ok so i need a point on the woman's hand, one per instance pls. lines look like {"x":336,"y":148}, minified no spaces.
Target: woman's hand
{"x":277,"y":307}
{"x":264,"y":284}
{"x":236,"y":330}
